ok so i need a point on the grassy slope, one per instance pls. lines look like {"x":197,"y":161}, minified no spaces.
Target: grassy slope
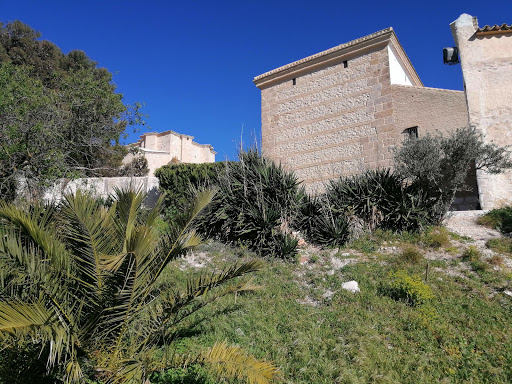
{"x":366,"y":337}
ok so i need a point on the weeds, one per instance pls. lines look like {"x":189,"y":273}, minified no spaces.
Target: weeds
{"x":436,"y":237}
{"x":502,"y":244}
{"x":366,"y":244}
{"x":408,"y":289}
{"x":411,"y":255}
{"x":496,"y":260}
{"x":500,"y":219}
{"x":474,"y":256}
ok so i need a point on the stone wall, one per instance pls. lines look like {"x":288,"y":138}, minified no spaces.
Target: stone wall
{"x":103,"y":187}
{"x":328,"y":123}
{"x":486,"y":61}
{"x":433,"y":111}
{"x":347,"y":115}
{"x":430,"y":109}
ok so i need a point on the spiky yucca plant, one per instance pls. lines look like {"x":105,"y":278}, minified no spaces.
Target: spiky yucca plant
{"x":381,"y":199}
{"x":257,"y":205}
{"x":82,"y":281}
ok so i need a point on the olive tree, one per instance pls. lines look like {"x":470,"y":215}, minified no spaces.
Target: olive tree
{"x":439,"y":164}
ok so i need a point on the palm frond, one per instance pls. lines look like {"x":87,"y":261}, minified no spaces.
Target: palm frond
{"x":16,"y":315}
{"x":81,"y":280}
{"x":40,"y":322}
{"x":128,"y":210}
{"x":232,"y":362}
{"x":202,"y":284}
{"x":35,"y":228}
{"x":89,"y":231}
{"x":172,"y":308}
{"x":73,"y":372}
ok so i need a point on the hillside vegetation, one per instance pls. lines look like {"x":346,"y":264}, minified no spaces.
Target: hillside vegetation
{"x":449,"y":323}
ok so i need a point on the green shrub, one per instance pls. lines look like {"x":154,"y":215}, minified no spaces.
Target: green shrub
{"x":325,"y":227}
{"x":180,"y":181}
{"x":381,"y":200}
{"x":500,"y":219}
{"x":410,"y":255}
{"x":501,"y":244}
{"x":257,"y":203}
{"x":408,"y":289}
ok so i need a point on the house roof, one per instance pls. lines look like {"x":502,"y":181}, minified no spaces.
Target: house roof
{"x":382,"y":37}
{"x":494,"y":30}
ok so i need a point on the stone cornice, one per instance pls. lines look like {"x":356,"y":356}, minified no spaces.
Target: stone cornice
{"x":426,"y":89}
{"x":337,"y":54}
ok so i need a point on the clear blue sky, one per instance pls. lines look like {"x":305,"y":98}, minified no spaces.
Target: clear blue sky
{"x":192,"y":62}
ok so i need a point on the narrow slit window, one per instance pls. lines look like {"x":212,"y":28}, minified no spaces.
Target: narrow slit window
{"x":345,"y":64}
{"x":294,"y":81}
{"x":410,"y":133}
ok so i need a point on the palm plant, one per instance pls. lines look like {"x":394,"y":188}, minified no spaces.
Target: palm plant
{"x":83,"y":281}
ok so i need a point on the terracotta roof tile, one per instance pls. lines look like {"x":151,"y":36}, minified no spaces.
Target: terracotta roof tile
{"x":504,"y":28}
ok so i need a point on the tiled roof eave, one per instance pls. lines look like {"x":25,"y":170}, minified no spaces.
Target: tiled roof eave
{"x":494,"y":30}
{"x":325,"y":56}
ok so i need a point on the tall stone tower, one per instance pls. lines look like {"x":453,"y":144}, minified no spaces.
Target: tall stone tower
{"x":486,"y":61}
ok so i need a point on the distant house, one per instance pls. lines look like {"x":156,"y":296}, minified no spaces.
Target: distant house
{"x":343,"y":110}
{"x":171,"y":147}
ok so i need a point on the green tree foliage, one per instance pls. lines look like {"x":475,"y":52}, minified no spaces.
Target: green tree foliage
{"x":180,"y":181}
{"x":137,"y":167}
{"x":81,"y":282}
{"x":439,"y":164}
{"x":28,"y":115}
{"x":56,"y":106}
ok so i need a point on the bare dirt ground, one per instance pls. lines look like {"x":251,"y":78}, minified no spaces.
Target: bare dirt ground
{"x":464,"y":224}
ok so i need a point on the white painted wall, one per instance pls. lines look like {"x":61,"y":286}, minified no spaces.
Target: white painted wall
{"x":103,"y":187}
{"x":396,"y":71}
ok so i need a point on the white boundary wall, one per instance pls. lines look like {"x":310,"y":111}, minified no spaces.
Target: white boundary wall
{"x":103,"y":187}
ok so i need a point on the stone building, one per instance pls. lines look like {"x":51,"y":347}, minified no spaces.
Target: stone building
{"x":163,"y":148}
{"x":486,"y":61}
{"x":343,"y":110}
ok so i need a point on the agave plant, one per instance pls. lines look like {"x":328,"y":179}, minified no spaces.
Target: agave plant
{"x":82,"y":281}
{"x":382,"y":200}
{"x":257,"y":204}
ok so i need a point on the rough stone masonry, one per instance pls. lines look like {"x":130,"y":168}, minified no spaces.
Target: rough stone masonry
{"x":342,"y":111}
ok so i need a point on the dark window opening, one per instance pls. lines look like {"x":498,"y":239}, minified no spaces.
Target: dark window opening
{"x":410,"y":133}
{"x":294,"y":81}
{"x":345,"y":64}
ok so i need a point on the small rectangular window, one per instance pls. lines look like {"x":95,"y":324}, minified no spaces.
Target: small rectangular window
{"x":345,"y":64}
{"x":410,"y":133}
{"x":294,"y":81}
